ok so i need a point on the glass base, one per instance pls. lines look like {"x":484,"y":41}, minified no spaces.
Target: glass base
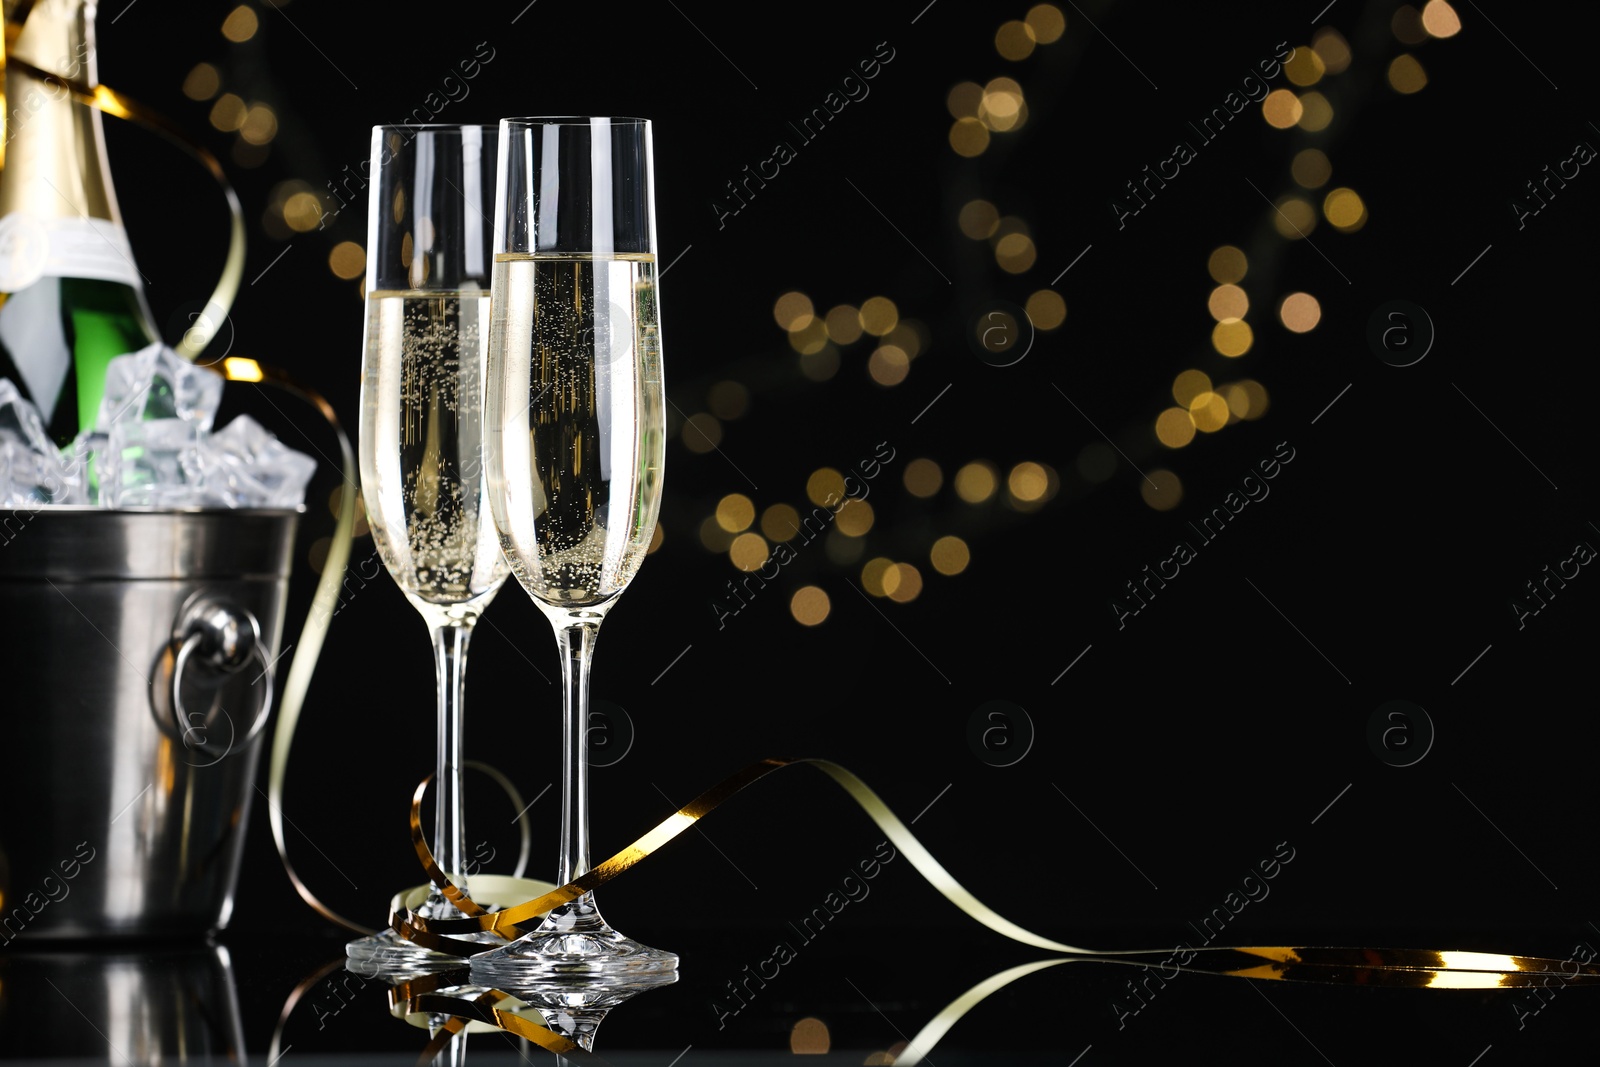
{"x":574,"y":944}
{"x":387,"y":954}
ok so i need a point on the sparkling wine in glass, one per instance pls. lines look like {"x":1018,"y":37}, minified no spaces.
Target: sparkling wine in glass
{"x":574,"y":439}
{"x":429,"y":261}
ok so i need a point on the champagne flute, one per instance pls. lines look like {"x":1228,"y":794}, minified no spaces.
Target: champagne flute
{"x":427,"y":333}
{"x":574,"y":440}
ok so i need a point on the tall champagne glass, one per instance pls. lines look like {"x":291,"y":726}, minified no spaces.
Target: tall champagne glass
{"x":574,"y":426}
{"x":428,"y":264}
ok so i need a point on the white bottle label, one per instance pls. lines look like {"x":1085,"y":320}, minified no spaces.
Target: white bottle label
{"x":32,"y":248}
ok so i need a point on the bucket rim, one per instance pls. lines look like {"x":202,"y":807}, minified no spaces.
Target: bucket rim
{"x":95,"y":509}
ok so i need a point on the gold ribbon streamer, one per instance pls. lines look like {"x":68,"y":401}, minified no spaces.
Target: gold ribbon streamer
{"x":324,"y":605}
{"x":1414,"y":968}
{"x":507,"y":922}
{"x":109,"y":101}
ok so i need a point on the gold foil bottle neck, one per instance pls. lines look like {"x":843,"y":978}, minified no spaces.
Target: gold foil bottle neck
{"x":55,"y":155}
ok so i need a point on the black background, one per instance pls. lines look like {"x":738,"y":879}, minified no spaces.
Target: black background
{"x":1178,"y":750}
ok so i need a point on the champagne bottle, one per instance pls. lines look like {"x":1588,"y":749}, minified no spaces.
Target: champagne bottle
{"x":71,"y":298}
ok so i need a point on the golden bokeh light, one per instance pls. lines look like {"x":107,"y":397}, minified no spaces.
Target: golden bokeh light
{"x":1305,"y":67}
{"x":964,"y":99}
{"x":1227,"y":302}
{"x":1406,"y":75}
{"x":1209,"y":412}
{"x":1406,"y":25}
{"x":908,"y":336}
{"x":810,"y":338}
{"x":1333,"y":49}
{"x":1311,"y":169}
{"x":906,"y":584}
{"x":854,"y":518}
{"x":1294,"y":218}
{"x":809,"y":605}
{"x":1028,"y":482}
{"x":202,"y":82}
{"x":950,"y":555}
{"x":1232,"y":338}
{"x":1161,"y":489}
{"x":714,"y":537}
{"x":1046,"y":22}
{"x":780,"y":522}
{"x":922,"y":478}
{"x":969,"y":137}
{"x":1014,"y":40}
{"x":976,"y":482}
{"x":260,"y":125}
{"x":878,"y":315}
{"x":657,"y":536}
{"x":302,"y":212}
{"x":748,"y":552}
{"x":825,"y":487}
{"x":1440,"y":19}
{"x":844,"y":324}
{"x":1315,"y":112}
{"x":820,"y":365}
{"x":994,"y":331}
{"x":1175,"y":427}
{"x":1015,"y":253}
{"x":888,"y":365}
{"x":728,"y":400}
{"x":1008,"y":119}
{"x":1227,"y":265}
{"x":1045,"y":309}
{"x":241,"y":24}
{"x":1002,"y":107}
{"x":1281,"y":109}
{"x":879,"y":576}
{"x":735,"y":512}
{"x":1247,"y":398}
{"x":1188,"y":385}
{"x":978,"y":219}
{"x":347,"y":260}
{"x":701,"y":433}
{"x":1300,"y":312}
{"x":1345,"y":210}
{"x":793,"y":311}
{"x":229,"y":112}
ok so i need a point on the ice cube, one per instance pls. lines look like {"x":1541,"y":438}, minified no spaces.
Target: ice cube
{"x":20,"y":421}
{"x":81,"y":460}
{"x":156,"y":383}
{"x":246,"y":467}
{"x":154,"y":463}
{"x":31,"y":470}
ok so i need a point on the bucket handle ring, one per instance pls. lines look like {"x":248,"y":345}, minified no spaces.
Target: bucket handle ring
{"x":228,"y":639}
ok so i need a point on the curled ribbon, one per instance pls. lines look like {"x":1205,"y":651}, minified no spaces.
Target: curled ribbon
{"x":1414,"y":968}
{"x":1368,"y":966}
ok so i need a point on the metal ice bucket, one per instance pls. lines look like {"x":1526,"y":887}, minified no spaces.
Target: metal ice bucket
{"x":136,"y":654}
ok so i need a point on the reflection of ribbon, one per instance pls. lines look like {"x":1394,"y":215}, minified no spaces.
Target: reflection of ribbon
{"x":111,"y":102}
{"x":496,"y":1009}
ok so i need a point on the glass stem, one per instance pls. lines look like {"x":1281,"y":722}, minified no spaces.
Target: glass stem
{"x":449,"y":842}
{"x":576,"y":642}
